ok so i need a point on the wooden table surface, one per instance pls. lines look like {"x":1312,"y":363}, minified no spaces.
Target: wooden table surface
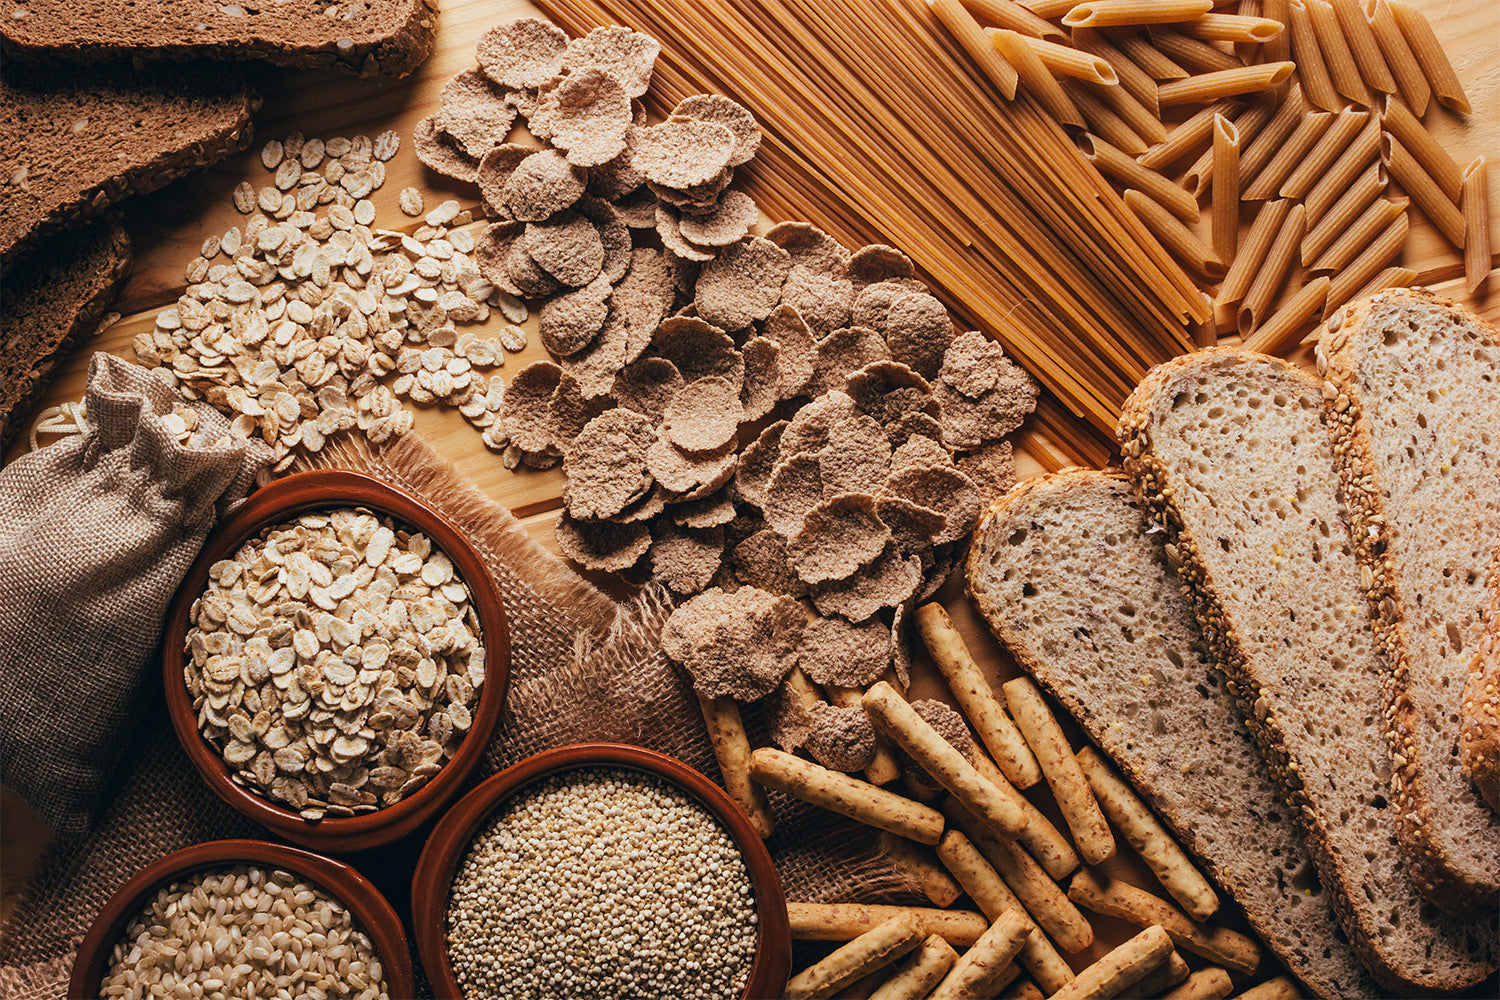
{"x":169,"y":226}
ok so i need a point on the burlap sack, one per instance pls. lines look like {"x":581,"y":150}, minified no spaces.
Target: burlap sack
{"x":96,"y":532}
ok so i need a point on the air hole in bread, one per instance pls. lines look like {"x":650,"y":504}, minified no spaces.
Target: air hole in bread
{"x":1028,"y":590}
{"x":1016,"y":537}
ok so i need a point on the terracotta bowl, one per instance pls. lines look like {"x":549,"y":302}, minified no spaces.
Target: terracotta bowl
{"x":372,"y":914}
{"x":450,"y":839}
{"x":274,"y":504}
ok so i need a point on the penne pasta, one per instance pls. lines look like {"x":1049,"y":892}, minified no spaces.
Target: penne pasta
{"x":1179,"y":240}
{"x":1336,"y":53}
{"x":1012,"y":16}
{"x":1103,"y":121}
{"x":1431,"y":154}
{"x":1430,"y":55}
{"x":1337,"y":178}
{"x":1049,"y":9}
{"x":1280,"y":331}
{"x":1311,"y":68}
{"x":1365,"y":189}
{"x":1245,"y":51}
{"x":1269,"y":180}
{"x":1415,"y":89}
{"x":1036,"y":77}
{"x":1193,"y":55}
{"x":1133,"y":78}
{"x":1133,"y":113}
{"x":1224,"y":83}
{"x":1346,"y":125}
{"x":1424,"y":190}
{"x":1113,"y":163}
{"x":1272,"y":273}
{"x":1232,"y":28}
{"x":968,"y":34}
{"x":1260,"y":150}
{"x":1248,"y":124}
{"x":1114,"y":13}
{"x":1278,"y":48}
{"x":1188,"y":137}
{"x":1385,"y":248}
{"x":1359,"y":235}
{"x":1154,"y":61}
{"x":1391,"y":277}
{"x":1263,"y":231}
{"x":1068,"y":61}
{"x":1225,"y":216}
{"x":1476,"y":224}
{"x":1362,"y":44}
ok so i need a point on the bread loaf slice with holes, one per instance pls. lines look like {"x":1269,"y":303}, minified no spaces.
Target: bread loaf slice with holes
{"x":1412,"y":394}
{"x":1229,"y":452}
{"x":1073,"y":580}
{"x":1481,"y":710}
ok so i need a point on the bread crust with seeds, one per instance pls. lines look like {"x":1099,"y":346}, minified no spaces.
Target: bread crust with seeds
{"x":1279,"y":697}
{"x":1481,"y":710}
{"x":1409,"y":412}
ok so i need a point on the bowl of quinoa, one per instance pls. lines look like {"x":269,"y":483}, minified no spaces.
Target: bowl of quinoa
{"x":231,"y":919}
{"x":336,"y":660}
{"x":599,"y":870}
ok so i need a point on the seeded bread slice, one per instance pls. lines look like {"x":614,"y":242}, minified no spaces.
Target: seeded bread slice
{"x":367,"y":37}
{"x":50,"y":300}
{"x":73,"y":143}
{"x":1072,"y":580}
{"x":1481,"y":709}
{"x":1412,"y":394}
{"x":1228,"y":451}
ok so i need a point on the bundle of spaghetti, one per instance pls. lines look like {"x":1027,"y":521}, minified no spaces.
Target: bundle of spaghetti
{"x":880,"y":127}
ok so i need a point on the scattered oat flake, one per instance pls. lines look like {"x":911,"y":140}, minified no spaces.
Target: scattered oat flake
{"x":606,"y":466}
{"x":593,"y":112}
{"x":738,"y":645}
{"x":720,"y":110}
{"x":527,"y":52}
{"x":840,"y":654}
{"x":628,"y":56}
{"x":607,"y":546}
{"x":410,"y":201}
{"x":837,"y":537}
{"x":682,"y":153}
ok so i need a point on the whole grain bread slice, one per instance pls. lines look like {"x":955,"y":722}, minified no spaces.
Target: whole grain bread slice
{"x":50,"y":300}
{"x":1228,"y":451}
{"x":367,"y":37}
{"x":1412,"y":394}
{"x":1481,"y":709}
{"x":1078,"y":586}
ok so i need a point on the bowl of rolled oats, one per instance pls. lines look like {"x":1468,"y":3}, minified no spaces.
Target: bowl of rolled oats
{"x":603,"y":870}
{"x":336,"y":660}
{"x":243,"y":918}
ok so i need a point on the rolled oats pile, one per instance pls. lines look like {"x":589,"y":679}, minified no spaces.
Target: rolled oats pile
{"x":335,"y":662}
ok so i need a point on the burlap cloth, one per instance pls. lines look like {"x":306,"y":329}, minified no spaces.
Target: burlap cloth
{"x":583,"y":668}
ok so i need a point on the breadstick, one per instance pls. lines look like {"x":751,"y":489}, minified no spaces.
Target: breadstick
{"x":847,"y":921}
{"x":997,"y":806}
{"x":1120,"y":968}
{"x":847,"y":796}
{"x":874,"y":949}
{"x":1114,"y":898}
{"x":1144,"y":832}
{"x":883,"y":768}
{"x":1048,"y":905}
{"x":1211,"y":983}
{"x":1153,"y":984}
{"x":1035,"y":719}
{"x":1044,"y":841}
{"x":990,"y":893}
{"x":975,"y":697}
{"x":726,"y":731}
{"x":987,"y":967}
{"x":1022,"y":989}
{"x":922,"y":970}
{"x":937,"y":885}
{"x":1280,"y":988}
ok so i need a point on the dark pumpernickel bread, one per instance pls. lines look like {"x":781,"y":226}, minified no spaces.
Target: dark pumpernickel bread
{"x":53,"y":297}
{"x":73,"y":143}
{"x":367,"y":37}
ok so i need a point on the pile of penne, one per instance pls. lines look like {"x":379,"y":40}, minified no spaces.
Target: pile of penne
{"x":1307,"y":114}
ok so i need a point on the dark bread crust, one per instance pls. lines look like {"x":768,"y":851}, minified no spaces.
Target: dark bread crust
{"x":52,"y":299}
{"x":1354,"y":448}
{"x":387,"y":38}
{"x":72,"y":144}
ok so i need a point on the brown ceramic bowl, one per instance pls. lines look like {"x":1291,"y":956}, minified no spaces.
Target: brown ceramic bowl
{"x":372,"y":914}
{"x":274,"y":504}
{"x":450,"y":839}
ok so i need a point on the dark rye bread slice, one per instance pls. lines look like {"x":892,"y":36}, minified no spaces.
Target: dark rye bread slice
{"x":367,"y":37}
{"x":1228,"y":451}
{"x":51,"y":299}
{"x":1412,"y":398}
{"x":1072,"y":580}
{"x":72,"y":143}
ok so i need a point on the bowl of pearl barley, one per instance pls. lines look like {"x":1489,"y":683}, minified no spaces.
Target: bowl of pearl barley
{"x":599,"y":870}
{"x":232,"y":919}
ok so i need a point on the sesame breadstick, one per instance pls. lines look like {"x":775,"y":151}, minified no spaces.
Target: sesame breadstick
{"x":874,"y":949}
{"x":1280,"y":988}
{"x":1121,"y":968}
{"x":922,"y":970}
{"x":847,"y":796}
{"x":1114,"y":898}
{"x":1212,"y":983}
{"x":846,"y":921}
{"x":996,"y":806}
{"x":1153,"y":984}
{"x":917,"y":863}
{"x":726,"y":731}
{"x":1075,"y":799}
{"x":1053,"y":851}
{"x":988,"y":966}
{"x":1144,"y":832}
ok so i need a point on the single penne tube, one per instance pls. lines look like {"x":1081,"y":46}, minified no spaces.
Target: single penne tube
{"x":996,"y":806}
{"x":1248,"y":124}
{"x":1377,"y":256}
{"x":1139,"y":50}
{"x":1113,"y":162}
{"x":1069,"y":787}
{"x":1159,"y":980}
{"x":1196,"y":56}
{"x":1192,"y":135}
{"x":847,"y":921}
{"x":1259,"y":150}
{"x":1036,"y":77}
{"x":1360,"y":234}
{"x":988,"y":965}
{"x":1280,"y":988}
{"x":1142,"y":121}
{"x":1043,"y":841}
{"x":1181,"y":242}
{"x":1403,"y":64}
{"x":1476,"y":210}
{"x":1144,"y":832}
{"x":1429,"y":52}
{"x":1231,"y":28}
{"x":919,"y":972}
{"x":1390,"y":277}
{"x":1224,"y":83}
{"x":1049,"y":10}
{"x":1428,"y":194}
{"x":1269,"y":180}
{"x":1345,"y":170}
{"x":1225,"y":217}
{"x":917,"y":863}
{"x":1116,"y":13}
{"x":1337,"y":55}
{"x":1272,"y":273}
{"x":1103,"y":122}
{"x":883,"y":768}
{"x":1119,"y":969}
{"x":875,"y":949}
{"x":726,"y":732}
{"x":1312,"y":70}
{"x":846,"y":796}
{"x":1114,"y":898}
{"x":1434,"y":157}
{"x":1365,"y":189}
{"x":1263,"y":232}
{"x":1362,"y":44}
{"x":1212,"y":983}
{"x":1012,"y":16}
{"x":1065,"y":60}
{"x":1135,"y":80}
{"x":966,"y":31}
{"x":1279,"y":46}
{"x":1346,"y":125}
